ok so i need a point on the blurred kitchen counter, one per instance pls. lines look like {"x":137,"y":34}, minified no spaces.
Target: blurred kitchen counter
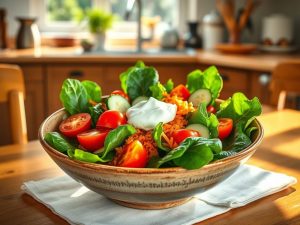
{"x":45,"y":69}
{"x":257,"y":61}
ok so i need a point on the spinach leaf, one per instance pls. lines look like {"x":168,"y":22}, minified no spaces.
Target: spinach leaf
{"x":208,"y":79}
{"x":140,"y":80}
{"x":224,"y":154}
{"x":88,"y":156}
{"x":169,"y":85}
{"x":93,"y":90}
{"x":237,"y":141}
{"x":200,"y":116}
{"x":193,"y":152}
{"x":95,"y":112}
{"x":57,"y":141}
{"x":240,"y":109}
{"x":123,"y":76}
{"x":74,"y":97}
{"x":157,"y":133}
{"x":157,"y":90}
{"x":115,"y":138}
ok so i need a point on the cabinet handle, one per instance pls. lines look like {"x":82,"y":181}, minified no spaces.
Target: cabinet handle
{"x":76,"y":73}
{"x":225,"y":77}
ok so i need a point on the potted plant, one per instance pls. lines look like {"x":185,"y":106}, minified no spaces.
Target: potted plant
{"x":99,"y":22}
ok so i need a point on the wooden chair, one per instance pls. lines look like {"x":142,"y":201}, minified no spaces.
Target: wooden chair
{"x":285,"y":80}
{"x":12,"y":91}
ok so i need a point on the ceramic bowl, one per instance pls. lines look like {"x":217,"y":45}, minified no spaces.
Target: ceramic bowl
{"x":145,"y":188}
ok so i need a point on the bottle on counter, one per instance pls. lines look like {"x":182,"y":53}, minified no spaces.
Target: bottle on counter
{"x":212,"y":30}
{"x":3,"y":29}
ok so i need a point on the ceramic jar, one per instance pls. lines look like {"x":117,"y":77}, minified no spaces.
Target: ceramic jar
{"x":212,"y":30}
{"x":277,"y":30}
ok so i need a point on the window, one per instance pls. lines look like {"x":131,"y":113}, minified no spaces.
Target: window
{"x":63,"y":15}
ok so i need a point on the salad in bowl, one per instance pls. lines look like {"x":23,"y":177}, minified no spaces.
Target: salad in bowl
{"x":151,"y":145}
{"x":150,"y":124}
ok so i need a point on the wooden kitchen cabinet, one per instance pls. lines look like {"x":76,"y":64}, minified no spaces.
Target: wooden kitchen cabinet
{"x":56,"y":74}
{"x":35,"y":103}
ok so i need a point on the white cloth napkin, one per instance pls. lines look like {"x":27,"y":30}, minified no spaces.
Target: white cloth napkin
{"x":78,"y":205}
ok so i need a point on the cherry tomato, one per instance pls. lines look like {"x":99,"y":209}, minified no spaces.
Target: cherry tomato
{"x":225,"y":127}
{"x":135,"y":155}
{"x":181,"y":91}
{"x":121,"y":93}
{"x":180,"y":135}
{"x":75,"y":124}
{"x":111,"y":119}
{"x":92,"y":140}
{"x":211,"y":109}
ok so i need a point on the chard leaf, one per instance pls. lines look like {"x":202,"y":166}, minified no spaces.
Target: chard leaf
{"x":123,"y":76}
{"x":208,"y":79}
{"x":116,"y":138}
{"x":74,"y":96}
{"x":157,"y":90}
{"x":57,"y":141}
{"x":193,"y":153}
{"x":93,"y":90}
{"x":240,"y":109}
{"x":140,"y":80}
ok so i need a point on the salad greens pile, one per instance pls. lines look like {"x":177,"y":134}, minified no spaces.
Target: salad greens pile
{"x":143,"y":81}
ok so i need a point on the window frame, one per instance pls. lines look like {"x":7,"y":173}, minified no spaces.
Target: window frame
{"x":37,"y":9}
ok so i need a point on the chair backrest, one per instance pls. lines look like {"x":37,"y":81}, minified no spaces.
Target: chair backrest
{"x":285,"y":79}
{"x":12,"y":91}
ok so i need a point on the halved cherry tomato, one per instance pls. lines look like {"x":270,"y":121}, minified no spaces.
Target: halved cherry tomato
{"x":75,"y":124}
{"x":121,"y":93}
{"x":225,"y":127}
{"x":181,"y":91}
{"x":93,"y":139}
{"x":180,"y":135}
{"x":135,"y":155}
{"x":211,"y":109}
{"x":111,"y":119}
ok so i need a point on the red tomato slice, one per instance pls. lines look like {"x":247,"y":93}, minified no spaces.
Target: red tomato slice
{"x":180,"y":135}
{"x":75,"y":124}
{"x":225,"y":127}
{"x":121,"y":93}
{"x":135,"y":155}
{"x":92,"y":140}
{"x":111,"y":119}
{"x":181,"y":91}
{"x":211,"y":109}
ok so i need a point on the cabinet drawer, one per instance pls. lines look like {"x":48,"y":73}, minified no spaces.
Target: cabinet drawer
{"x":234,"y":81}
{"x":57,"y":74}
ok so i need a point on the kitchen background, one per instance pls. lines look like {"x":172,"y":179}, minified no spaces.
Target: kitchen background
{"x":289,"y":8}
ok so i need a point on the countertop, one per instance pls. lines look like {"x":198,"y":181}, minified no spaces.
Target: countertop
{"x":278,"y":152}
{"x":257,"y":61}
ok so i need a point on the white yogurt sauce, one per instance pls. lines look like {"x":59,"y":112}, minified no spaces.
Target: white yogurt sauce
{"x":147,"y":114}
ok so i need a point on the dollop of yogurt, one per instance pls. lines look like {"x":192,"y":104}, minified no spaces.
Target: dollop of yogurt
{"x":147,"y":114}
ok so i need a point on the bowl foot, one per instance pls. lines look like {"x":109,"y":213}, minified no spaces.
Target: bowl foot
{"x":161,"y":205}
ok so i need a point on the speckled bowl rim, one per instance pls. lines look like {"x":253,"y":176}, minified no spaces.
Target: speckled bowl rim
{"x":125,"y":170}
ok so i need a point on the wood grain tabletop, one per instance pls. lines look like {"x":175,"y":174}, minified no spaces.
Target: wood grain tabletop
{"x":280,"y":152}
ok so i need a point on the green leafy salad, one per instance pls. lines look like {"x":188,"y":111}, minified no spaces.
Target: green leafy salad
{"x":153,"y":124}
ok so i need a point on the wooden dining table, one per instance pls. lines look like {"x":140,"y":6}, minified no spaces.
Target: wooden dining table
{"x":279,"y":151}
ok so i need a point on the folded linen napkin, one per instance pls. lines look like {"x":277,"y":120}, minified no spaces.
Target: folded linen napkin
{"x":78,"y":205}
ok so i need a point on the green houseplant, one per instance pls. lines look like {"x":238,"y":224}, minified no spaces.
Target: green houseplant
{"x":99,"y":22}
